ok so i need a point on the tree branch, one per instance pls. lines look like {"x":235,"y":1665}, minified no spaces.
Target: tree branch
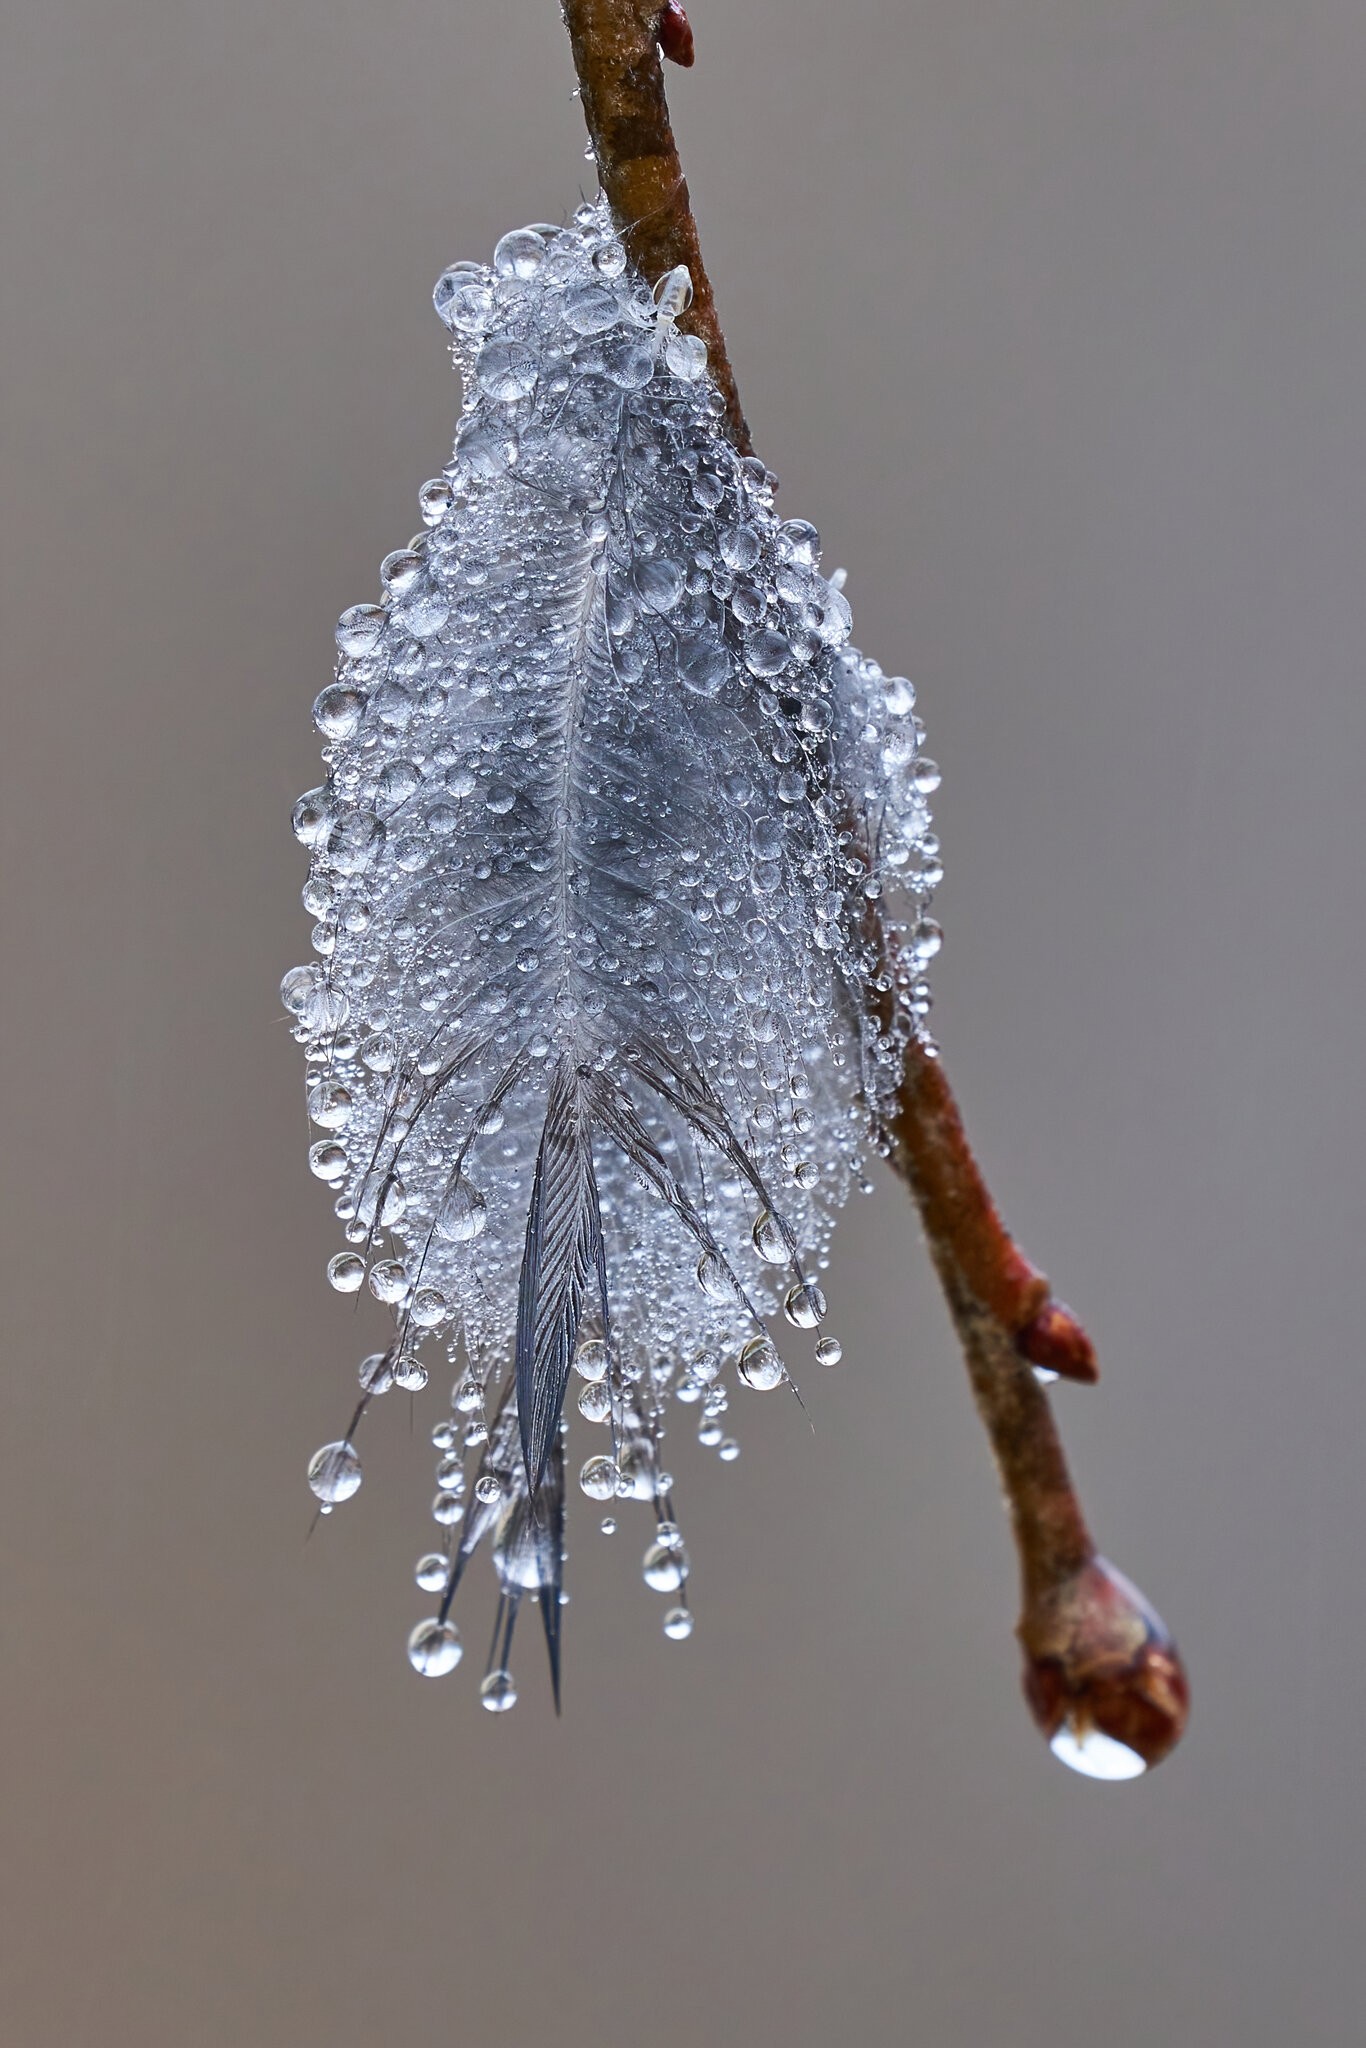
{"x":1096,"y":1655}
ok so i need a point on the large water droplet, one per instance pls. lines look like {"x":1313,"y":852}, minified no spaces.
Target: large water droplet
{"x":434,"y":1648}
{"x":497,"y":1692}
{"x":463,"y":1214}
{"x":599,"y":1478}
{"x":334,"y":1472}
{"x":664,"y":1567}
{"x":760,"y":1366}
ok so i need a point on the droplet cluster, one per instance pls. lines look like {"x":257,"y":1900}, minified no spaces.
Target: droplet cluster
{"x":607,"y":785}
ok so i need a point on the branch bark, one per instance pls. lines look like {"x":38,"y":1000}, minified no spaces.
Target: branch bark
{"x":1096,"y":1655}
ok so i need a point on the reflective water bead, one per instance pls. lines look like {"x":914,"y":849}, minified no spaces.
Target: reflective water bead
{"x":599,"y":1478}
{"x":388,"y":1280}
{"x":312,"y":817}
{"x":354,"y":841}
{"x":359,"y":628}
{"x":346,"y":1272}
{"x":760,"y":1366}
{"x":804,"y":1305}
{"x":829,"y":1351}
{"x":686,"y":356}
{"x":338,"y":710}
{"x":926,"y":776}
{"x":400,"y":570}
{"x":678,"y":1624}
{"x":428,"y":1308}
{"x":327,"y":1160}
{"x":410,"y":1373}
{"x":434,"y":501}
{"x":497,"y":1692}
{"x":673,"y":292}
{"x":432,"y":1571}
{"x":713,"y":1278}
{"x":519,"y":254}
{"x":610,"y":259}
{"x":926,"y":939}
{"x":434,"y":1647}
{"x":448,"y":1509}
{"x":768,"y":1239}
{"x":334,"y":1472}
{"x":608,"y":1525}
{"x":330,"y":1105}
{"x":465,"y":305}
{"x":664,"y":1567}
{"x":463,"y":1214}
{"x":595,"y":1401}
{"x":507,"y":370}
{"x":488,"y":1488}
{"x":376,"y":1373}
{"x":590,"y":1358}
{"x":658,"y":583}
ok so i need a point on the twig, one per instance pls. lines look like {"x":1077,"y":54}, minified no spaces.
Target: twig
{"x":1096,"y":1655}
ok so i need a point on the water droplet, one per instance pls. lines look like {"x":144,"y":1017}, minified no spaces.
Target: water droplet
{"x":805,"y":1305}
{"x":488,"y":1488}
{"x":388,"y":1280}
{"x":434,"y":1647}
{"x":926,"y":940}
{"x":926,"y":776}
{"x":400,"y":570}
{"x":703,"y":665}
{"x":465,"y":306}
{"x":686,"y":356}
{"x":1095,"y":1755}
{"x":448,"y":1509}
{"x":346,"y":1272}
{"x":429,"y":1308}
{"x":432,"y":1571}
{"x":595,"y":1401}
{"x":599,"y":1478}
{"x":760,"y":1366}
{"x":728,"y":1450}
{"x":334,"y":1472}
{"x":327,"y":1160}
{"x":608,"y":1525}
{"x":376,"y":1373}
{"x":829,"y":1351}
{"x":312,"y":817}
{"x":497,"y":1692}
{"x":664,"y":1567}
{"x":519,"y":254}
{"x":359,"y":629}
{"x":591,"y":1359}
{"x":678,"y":1624}
{"x":507,"y":371}
{"x":768,"y":1239}
{"x":330,"y":1105}
{"x":713,"y":1278}
{"x":354,"y":841}
{"x":673,"y":293}
{"x":434,"y":501}
{"x":463,"y":1214}
{"x":338,"y":710}
{"x":767,"y":652}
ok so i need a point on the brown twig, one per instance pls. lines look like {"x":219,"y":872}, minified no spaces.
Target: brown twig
{"x":1096,"y":1655}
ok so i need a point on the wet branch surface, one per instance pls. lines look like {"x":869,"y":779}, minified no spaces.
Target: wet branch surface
{"x":1096,"y":1656}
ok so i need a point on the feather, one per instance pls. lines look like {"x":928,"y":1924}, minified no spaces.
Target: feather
{"x":607,"y":794}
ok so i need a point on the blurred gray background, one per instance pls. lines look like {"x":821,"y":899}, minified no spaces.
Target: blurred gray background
{"x":1052,"y":317}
